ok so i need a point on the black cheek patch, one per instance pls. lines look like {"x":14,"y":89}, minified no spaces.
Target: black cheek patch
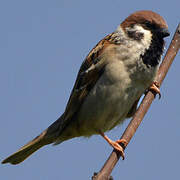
{"x":135,"y":35}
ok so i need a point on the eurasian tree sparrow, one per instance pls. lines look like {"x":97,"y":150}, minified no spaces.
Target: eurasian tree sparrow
{"x":112,"y":78}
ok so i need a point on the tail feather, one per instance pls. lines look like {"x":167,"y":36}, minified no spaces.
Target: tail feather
{"x":46,"y":137}
{"x":27,"y":149}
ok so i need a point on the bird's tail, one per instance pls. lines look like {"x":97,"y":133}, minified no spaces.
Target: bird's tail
{"x":28,"y":149}
{"x":46,"y":137}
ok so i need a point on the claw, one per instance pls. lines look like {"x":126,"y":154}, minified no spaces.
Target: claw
{"x":155,"y":88}
{"x":118,"y":145}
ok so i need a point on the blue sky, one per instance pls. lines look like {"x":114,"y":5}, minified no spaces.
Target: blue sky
{"x":42,"y":45}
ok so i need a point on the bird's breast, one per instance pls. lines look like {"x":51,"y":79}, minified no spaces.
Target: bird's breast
{"x":110,"y":100}
{"x":125,"y":78}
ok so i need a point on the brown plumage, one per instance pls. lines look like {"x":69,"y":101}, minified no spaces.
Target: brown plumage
{"x":141,"y":17}
{"x":109,"y":84}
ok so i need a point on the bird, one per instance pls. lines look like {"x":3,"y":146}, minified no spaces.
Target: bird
{"x":111,"y":80}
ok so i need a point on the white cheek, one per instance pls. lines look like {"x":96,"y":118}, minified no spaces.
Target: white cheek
{"x":146,"y":41}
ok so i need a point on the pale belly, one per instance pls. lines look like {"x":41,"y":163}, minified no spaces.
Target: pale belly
{"x":105,"y":107}
{"x":107,"y":104}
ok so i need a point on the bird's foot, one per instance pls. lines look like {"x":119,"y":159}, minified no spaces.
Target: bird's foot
{"x":119,"y":145}
{"x":155,"y":88}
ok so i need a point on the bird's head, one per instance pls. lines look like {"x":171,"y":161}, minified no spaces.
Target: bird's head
{"x":144,"y":25}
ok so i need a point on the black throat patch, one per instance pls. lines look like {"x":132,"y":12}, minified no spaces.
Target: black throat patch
{"x":152,"y":56}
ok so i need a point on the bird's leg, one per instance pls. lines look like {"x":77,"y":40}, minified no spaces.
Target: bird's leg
{"x":116,"y":144}
{"x":155,"y":88}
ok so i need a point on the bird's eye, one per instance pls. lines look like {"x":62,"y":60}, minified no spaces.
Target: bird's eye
{"x":132,"y":26}
{"x":148,"y":24}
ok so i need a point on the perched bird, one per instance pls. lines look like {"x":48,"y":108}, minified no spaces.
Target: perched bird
{"x":111,"y":79}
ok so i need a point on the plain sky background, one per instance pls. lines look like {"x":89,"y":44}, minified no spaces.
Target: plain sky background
{"x":42,"y":45}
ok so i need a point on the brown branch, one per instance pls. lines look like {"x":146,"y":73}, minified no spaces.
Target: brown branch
{"x":107,"y":168}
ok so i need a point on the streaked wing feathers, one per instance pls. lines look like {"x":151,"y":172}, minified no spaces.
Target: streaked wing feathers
{"x":90,"y":71}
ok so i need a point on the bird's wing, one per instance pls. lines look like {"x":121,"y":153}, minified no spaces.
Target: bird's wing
{"x":90,"y":71}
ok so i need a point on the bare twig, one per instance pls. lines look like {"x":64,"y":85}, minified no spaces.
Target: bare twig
{"x":106,"y":170}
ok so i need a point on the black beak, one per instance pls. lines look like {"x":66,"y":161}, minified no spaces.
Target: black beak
{"x":163,"y":32}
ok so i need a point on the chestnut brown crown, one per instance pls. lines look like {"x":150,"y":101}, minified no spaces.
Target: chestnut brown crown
{"x":144,"y":17}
